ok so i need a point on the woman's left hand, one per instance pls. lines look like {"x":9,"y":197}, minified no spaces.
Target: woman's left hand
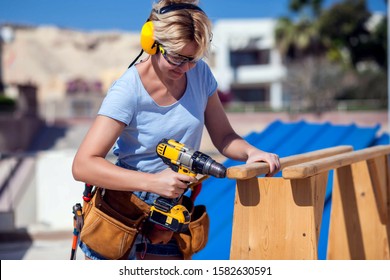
{"x":270,"y":158}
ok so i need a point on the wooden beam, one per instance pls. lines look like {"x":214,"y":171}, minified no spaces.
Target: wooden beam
{"x":247,"y":171}
{"x":314,"y":167}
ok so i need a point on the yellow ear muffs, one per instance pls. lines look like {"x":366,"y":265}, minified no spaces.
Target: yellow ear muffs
{"x":148,"y":42}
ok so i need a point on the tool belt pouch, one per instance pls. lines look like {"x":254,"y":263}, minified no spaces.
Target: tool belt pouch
{"x":111,"y":232}
{"x":196,"y":237}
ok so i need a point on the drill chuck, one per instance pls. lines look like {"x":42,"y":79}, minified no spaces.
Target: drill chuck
{"x":203,"y":164}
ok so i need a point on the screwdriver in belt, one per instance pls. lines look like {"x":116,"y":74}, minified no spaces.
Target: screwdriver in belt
{"x":87,"y":194}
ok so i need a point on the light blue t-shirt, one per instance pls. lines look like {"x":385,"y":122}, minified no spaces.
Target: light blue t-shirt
{"x":147,"y":123}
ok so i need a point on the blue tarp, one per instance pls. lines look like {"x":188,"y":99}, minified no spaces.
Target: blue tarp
{"x":284,"y":139}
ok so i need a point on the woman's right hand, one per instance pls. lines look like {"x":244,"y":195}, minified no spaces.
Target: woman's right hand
{"x":171,"y":184}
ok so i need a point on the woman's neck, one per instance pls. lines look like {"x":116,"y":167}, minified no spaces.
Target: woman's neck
{"x":161,"y":88}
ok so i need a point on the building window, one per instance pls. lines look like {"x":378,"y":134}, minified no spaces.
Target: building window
{"x":255,"y":93}
{"x":249,"y":57}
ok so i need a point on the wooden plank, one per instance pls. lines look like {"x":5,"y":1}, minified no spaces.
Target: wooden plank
{"x":278,"y":219}
{"x":356,"y":230}
{"x":311,"y":168}
{"x":377,"y":168}
{"x":255,"y":169}
{"x":338,"y":247}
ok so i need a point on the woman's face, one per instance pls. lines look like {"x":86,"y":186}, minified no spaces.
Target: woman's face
{"x":175,"y":65}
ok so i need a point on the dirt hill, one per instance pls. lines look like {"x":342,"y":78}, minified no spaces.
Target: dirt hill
{"x":49,"y":57}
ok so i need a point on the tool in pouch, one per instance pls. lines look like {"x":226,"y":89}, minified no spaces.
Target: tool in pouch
{"x":169,"y":213}
{"x":78,"y":219}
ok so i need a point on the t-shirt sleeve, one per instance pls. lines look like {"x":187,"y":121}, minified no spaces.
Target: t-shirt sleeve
{"x":210,"y":81}
{"x":120,"y":102}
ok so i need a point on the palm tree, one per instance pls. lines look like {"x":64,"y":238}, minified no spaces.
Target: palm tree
{"x":315,"y":6}
{"x":298,"y":40}
{"x":303,"y":50}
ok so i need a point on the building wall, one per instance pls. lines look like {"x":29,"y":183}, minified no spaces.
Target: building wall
{"x":243,"y":35}
{"x":17,"y":128}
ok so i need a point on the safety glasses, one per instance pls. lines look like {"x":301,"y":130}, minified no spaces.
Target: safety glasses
{"x":177,"y":59}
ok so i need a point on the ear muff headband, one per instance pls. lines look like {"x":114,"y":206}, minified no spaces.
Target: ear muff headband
{"x":148,"y":42}
{"x":176,"y":7}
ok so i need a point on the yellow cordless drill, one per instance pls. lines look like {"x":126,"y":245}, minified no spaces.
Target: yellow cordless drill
{"x":168,"y":212}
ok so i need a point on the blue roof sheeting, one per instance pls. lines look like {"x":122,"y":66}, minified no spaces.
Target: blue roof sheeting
{"x":284,"y":139}
{"x":382,"y":140}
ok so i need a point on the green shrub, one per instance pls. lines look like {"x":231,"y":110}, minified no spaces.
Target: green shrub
{"x":7,"y":104}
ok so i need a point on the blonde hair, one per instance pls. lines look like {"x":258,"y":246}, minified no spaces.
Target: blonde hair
{"x":175,"y":29}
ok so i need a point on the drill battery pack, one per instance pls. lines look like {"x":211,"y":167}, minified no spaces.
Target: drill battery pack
{"x":166,"y":213}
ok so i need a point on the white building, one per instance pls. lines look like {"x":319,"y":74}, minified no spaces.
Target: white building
{"x":246,"y":62}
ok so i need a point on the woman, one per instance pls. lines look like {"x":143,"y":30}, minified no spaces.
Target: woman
{"x":172,"y":94}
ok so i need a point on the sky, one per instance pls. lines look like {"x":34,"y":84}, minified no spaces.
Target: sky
{"x":129,"y":15}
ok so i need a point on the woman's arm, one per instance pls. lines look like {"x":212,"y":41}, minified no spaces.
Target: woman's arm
{"x":90,"y":165}
{"x":229,"y":143}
